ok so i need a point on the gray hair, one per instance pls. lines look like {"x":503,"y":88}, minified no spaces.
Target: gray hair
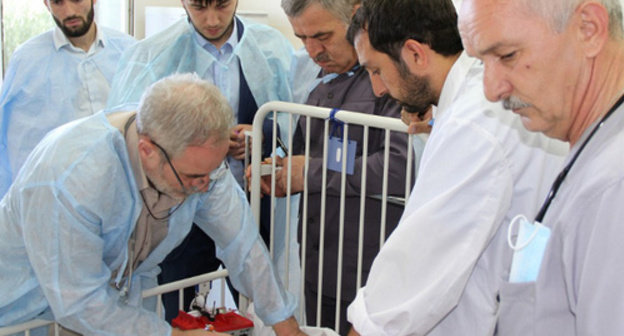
{"x":182,"y":110}
{"x":559,"y":12}
{"x":341,"y":9}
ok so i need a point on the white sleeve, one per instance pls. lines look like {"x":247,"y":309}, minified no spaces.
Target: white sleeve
{"x":459,"y":200}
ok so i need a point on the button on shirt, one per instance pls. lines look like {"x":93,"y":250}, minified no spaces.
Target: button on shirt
{"x":225,"y":74}
{"x":93,"y":93}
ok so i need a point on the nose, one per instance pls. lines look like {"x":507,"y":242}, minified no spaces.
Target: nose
{"x":211,"y":17}
{"x":496,"y":86}
{"x":379,"y":88}
{"x":313,"y":47}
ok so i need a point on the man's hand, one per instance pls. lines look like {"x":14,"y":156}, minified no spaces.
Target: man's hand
{"x":237,"y":141}
{"x":281,"y":177}
{"x":296,"y":182}
{"x":352,"y":332}
{"x":195,"y":332}
{"x":415,"y":123}
{"x":288,"y":327}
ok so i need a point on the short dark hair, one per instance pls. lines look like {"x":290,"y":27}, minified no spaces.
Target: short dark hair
{"x":390,"y":23}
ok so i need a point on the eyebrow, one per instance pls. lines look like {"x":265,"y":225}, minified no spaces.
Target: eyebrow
{"x":315,"y":36}
{"x":491,"y":49}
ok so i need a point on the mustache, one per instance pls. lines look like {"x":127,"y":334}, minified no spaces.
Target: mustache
{"x":514,"y":103}
{"x":73,"y":18}
{"x":323,"y":57}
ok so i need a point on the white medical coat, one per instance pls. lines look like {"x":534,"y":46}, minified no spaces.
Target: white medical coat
{"x":65,"y":225}
{"x":440,"y":270}
{"x":579,"y":289}
{"x":44,"y":87}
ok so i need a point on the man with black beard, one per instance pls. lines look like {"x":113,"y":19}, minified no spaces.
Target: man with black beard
{"x":56,"y":77}
{"x":442,"y":268}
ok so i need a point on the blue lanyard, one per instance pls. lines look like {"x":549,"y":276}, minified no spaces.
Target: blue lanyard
{"x":564,"y":173}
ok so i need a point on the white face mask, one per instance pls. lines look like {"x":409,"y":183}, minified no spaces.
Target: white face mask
{"x":529,"y":248}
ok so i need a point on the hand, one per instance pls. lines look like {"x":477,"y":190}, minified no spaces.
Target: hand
{"x":288,"y":327}
{"x":416,"y":124}
{"x":353,"y":332}
{"x":237,"y":141}
{"x":296,"y":182}
{"x":195,"y":332}
{"x":265,"y":181}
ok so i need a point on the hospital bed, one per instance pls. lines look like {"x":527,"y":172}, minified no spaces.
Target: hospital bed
{"x":284,"y":220}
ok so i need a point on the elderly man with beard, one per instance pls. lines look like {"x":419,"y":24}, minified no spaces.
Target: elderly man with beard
{"x":249,"y":62}
{"x":56,"y":77}
{"x":442,"y":268}
{"x":102,"y":200}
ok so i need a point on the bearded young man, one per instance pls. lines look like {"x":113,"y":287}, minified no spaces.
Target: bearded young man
{"x":53,"y":78}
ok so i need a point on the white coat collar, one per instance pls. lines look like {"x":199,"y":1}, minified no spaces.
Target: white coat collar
{"x":454,"y":81}
{"x":60,"y":40}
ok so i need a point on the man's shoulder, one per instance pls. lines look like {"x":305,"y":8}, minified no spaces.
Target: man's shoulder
{"x":118,"y":38}
{"x":36,"y":46}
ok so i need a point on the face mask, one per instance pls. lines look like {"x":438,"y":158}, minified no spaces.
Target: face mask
{"x":528,"y":249}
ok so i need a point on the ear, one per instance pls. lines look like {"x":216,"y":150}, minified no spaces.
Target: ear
{"x":45,"y":3}
{"x":593,"y":27}
{"x":415,"y":56}
{"x":147,"y":151}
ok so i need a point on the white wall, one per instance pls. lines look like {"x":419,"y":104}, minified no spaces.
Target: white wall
{"x":276,"y":15}
{"x":271,"y":8}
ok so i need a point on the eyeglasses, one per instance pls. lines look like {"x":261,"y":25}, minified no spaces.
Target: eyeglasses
{"x":175,"y":172}
{"x":216,"y":174}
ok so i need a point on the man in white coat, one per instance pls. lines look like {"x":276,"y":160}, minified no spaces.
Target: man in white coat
{"x":559,"y":65}
{"x":441,"y":270}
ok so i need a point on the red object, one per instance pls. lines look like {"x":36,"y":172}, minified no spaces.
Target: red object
{"x":223,"y":322}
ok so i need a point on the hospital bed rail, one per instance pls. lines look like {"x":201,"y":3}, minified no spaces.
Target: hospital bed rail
{"x":158,"y":291}
{"x":287,"y":129}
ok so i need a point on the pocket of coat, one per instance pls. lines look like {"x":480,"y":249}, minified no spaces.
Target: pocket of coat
{"x":516,"y":309}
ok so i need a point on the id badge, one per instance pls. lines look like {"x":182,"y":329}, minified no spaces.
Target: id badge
{"x":334,"y":155}
{"x":528,"y":250}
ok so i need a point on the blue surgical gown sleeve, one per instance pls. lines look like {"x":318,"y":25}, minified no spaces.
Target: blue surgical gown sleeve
{"x":71,"y":234}
{"x":225,"y":215}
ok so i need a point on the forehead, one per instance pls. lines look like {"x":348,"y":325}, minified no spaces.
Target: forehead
{"x":315,"y":19}
{"x":201,"y":159}
{"x":366,"y":54}
{"x":486,"y":25}
{"x":207,"y":3}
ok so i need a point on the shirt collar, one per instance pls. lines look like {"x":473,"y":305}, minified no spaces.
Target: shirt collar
{"x":328,"y":77}
{"x":455,"y":80}
{"x":60,"y":40}
{"x":119,"y":120}
{"x":227,"y":47}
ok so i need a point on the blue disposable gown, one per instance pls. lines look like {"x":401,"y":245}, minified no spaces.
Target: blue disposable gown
{"x":264,"y":53}
{"x":41,"y":90}
{"x":65,"y":225}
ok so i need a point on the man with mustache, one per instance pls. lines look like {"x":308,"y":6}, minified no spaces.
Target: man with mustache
{"x":441,"y":270}
{"x":343,"y":84}
{"x":54,"y":78}
{"x":249,"y":62}
{"x":559,"y":66}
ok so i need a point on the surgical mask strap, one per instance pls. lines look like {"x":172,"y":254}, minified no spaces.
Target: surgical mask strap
{"x":520,"y":245}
